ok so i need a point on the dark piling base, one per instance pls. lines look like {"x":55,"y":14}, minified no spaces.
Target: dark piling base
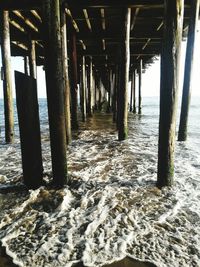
{"x":5,"y":260}
{"x":126,"y":262}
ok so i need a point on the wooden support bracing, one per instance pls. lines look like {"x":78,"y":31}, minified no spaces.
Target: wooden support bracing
{"x":66,"y":77}
{"x":73,"y":78}
{"x":122,"y":104}
{"x":55,"y":89}
{"x":83,"y":90}
{"x":170,"y":63}
{"x":29,"y":127}
{"x":182,"y":135}
{"x":7,"y":78}
{"x":140,"y":89}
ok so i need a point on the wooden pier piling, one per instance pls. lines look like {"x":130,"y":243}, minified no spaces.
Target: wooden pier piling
{"x":73,"y":78}
{"x":114,"y":103}
{"x":131,"y":96}
{"x":170,"y":63}
{"x":29,"y":127}
{"x":134,"y":90}
{"x":55,"y":90}
{"x":140,"y":89}
{"x":122,"y":105}
{"x":66,"y":76}
{"x":7,"y":78}
{"x":26,"y":68}
{"x":182,"y":134}
{"x":90,"y":87}
{"x":32,"y":59}
{"x":83,"y":90}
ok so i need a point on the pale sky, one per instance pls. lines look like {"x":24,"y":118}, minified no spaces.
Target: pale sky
{"x":150,"y":80}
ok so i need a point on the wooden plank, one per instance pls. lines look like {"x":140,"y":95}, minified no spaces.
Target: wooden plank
{"x":187,"y":86}
{"x":170,"y":64}
{"x":29,"y":127}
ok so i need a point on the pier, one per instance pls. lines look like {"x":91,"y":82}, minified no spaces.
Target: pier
{"x":94,"y":53}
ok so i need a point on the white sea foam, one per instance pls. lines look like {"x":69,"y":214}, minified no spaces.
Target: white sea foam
{"x":112,"y":209}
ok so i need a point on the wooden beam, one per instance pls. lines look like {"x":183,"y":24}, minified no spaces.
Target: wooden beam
{"x":112,"y":51}
{"x":116,"y":3}
{"x":187,"y":86}
{"x":7,"y":79}
{"x":20,"y":5}
{"x":170,"y":64}
{"x":83,"y":35}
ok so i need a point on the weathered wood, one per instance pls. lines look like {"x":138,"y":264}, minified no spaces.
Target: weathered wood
{"x":32,"y":59}
{"x":134,"y":90}
{"x":55,"y":89}
{"x":73,"y":78}
{"x":114,"y":106}
{"x":17,"y":5}
{"x":83,"y":90}
{"x":122,"y":104}
{"x":29,"y":128}
{"x":116,"y":3}
{"x":7,"y":78}
{"x":187,"y":86}
{"x":118,"y":91}
{"x":170,"y":63}
{"x":131,"y":96}
{"x":108,"y":76}
{"x":100,"y":94}
{"x":32,"y":4}
{"x":95,"y":91}
{"x":140,"y":89}
{"x":26,"y":68}
{"x":90,"y":87}
{"x":66,"y":77}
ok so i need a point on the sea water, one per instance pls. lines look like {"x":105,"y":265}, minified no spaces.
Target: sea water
{"x":112,"y":209}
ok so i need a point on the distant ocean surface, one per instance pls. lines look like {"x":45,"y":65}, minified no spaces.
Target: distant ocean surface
{"x":112,"y":209}
{"x":150,"y":109}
